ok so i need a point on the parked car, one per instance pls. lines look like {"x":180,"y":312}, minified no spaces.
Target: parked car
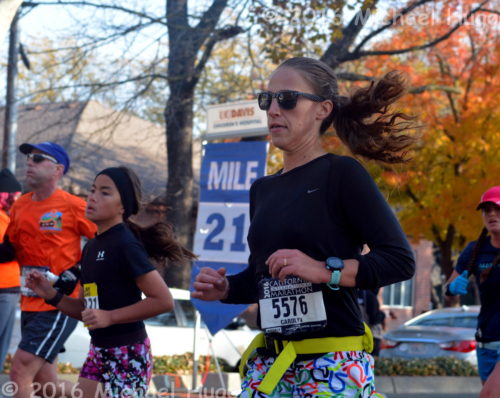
{"x":171,"y":333}
{"x":437,"y":333}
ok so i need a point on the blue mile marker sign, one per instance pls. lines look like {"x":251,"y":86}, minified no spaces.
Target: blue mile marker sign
{"x":227,"y":172}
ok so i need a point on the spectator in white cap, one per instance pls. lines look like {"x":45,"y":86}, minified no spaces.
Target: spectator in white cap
{"x":44,"y":235}
{"x":481,"y":259}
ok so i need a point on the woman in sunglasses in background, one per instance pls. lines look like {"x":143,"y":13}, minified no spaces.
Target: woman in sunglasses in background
{"x":481,"y":259}
{"x":309,"y":223}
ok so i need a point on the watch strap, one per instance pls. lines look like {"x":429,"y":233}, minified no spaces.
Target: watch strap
{"x":334,"y":280}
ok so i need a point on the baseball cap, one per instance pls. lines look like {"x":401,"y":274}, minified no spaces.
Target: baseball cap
{"x":8,"y":182}
{"x":492,"y":195}
{"x":50,"y":148}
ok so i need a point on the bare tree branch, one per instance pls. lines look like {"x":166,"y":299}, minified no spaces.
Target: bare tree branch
{"x":490,"y":11}
{"x":219,"y":35}
{"x":209,"y":21}
{"x":353,"y":77}
{"x":434,"y":87}
{"x":393,"y":21}
{"x":162,"y":20}
{"x":360,"y":54}
{"x":334,"y":52}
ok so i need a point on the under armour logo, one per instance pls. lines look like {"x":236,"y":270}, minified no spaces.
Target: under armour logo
{"x":100,"y":255}
{"x":312,"y":190}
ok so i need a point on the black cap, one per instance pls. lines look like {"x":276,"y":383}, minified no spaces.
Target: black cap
{"x":8,"y":182}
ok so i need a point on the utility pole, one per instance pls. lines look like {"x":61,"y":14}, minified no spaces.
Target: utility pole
{"x":10,"y":126}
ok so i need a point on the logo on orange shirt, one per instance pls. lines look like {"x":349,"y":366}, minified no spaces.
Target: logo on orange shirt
{"x":51,"y":221}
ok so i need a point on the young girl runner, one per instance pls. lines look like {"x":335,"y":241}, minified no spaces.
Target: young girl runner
{"x":116,"y":271}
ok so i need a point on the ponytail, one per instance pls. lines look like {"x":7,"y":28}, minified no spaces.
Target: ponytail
{"x":363,"y":121}
{"x":365,"y":125}
{"x":471,"y":265}
{"x":159,"y":241}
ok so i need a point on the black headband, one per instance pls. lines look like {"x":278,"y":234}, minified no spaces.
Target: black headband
{"x":125,"y":188}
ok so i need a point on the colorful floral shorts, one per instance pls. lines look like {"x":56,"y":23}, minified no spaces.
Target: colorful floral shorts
{"x":339,"y":374}
{"x":123,"y":371}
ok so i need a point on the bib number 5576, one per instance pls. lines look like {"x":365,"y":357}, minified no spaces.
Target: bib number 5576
{"x":289,"y":306}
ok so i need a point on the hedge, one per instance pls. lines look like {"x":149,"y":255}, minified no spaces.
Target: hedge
{"x":182,"y":364}
{"x":439,"y":366}
{"x":179,"y":364}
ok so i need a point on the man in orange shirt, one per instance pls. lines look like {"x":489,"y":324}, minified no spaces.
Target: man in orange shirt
{"x":45,"y":234}
{"x":10,"y":190}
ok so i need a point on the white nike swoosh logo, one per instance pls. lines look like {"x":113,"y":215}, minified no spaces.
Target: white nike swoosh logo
{"x":312,"y":190}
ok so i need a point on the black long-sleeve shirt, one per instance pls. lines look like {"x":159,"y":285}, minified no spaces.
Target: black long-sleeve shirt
{"x":327,"y":207}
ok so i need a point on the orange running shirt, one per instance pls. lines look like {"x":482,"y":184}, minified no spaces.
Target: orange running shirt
{"x":47,"y":234}
{"x":9,"y":271}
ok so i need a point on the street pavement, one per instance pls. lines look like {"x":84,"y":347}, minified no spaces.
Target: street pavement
{"x":436,"y":395}
{"x":464,"y":388}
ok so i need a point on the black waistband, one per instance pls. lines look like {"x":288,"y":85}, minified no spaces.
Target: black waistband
{"x":13,"y":290}
{"x":137,"y":336}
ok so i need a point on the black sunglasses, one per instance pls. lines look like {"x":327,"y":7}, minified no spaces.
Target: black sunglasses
{"x":40,"y":157}
{"x":287,"y":99}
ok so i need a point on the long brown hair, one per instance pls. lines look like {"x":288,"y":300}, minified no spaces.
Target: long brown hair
{"x":471,"y":265}
{"x":362,"y":121}
{"x":158,"y":239}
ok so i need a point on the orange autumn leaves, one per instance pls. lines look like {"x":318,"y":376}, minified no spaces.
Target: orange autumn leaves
{"x":457,"y":156}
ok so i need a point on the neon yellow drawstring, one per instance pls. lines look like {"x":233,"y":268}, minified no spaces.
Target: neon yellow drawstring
{"x":307,"y":346}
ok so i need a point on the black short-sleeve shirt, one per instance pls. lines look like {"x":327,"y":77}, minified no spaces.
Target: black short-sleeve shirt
{"x":488,"y":328}
{"x":113,"y":260}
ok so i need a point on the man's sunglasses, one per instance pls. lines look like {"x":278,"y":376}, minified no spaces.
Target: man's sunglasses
{"x":287,"y":99}
{"x":40,"y":157}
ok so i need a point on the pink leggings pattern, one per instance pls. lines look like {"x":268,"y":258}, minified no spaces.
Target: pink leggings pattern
{"x":123,"y":371}
{"x":339,"y":374}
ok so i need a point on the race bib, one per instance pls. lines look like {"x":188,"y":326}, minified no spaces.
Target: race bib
{"x":290,"y":307}
{"x":90,"y":295}
{"x":25,"y":270}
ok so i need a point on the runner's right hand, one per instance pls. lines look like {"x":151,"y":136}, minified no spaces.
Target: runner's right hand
{"x":40,"y":284}
{"x":211,"y":284}
{"x":459,"y":284}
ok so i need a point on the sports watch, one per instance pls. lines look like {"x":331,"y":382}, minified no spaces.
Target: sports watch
{"x":336,"y":265}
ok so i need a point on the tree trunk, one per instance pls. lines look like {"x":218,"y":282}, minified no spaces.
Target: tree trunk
{"x":445,"y":247}
{"x":179,"y":120}
{"x":189,"y":50}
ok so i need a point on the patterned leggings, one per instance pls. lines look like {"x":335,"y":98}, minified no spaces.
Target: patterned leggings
{"x":123,"y":371}
{"x":338,"y":374}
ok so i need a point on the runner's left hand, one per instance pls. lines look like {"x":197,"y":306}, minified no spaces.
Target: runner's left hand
{"x":96,"y":319}
{"x":286,"y":262}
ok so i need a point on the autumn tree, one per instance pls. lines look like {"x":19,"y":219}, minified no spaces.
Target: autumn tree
{"x":457,"y":156}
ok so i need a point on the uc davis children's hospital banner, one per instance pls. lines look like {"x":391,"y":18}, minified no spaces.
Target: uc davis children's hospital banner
{"x":227,"y":172}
